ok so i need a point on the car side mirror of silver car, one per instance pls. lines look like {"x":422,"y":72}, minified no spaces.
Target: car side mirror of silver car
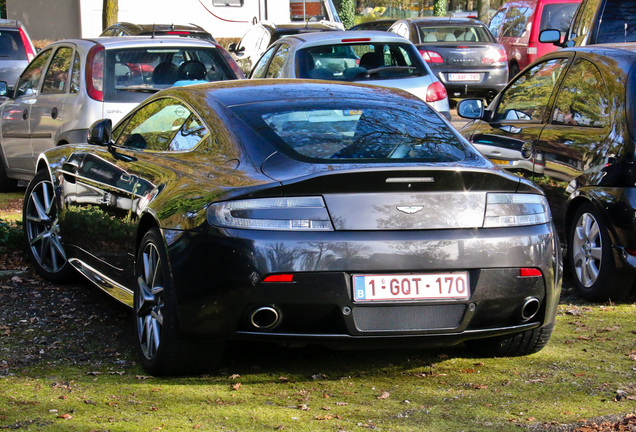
{"x":100,"y":132}
{"x":471,"y":109}
{"x":4,"y":89}
{"x":551,"y":36}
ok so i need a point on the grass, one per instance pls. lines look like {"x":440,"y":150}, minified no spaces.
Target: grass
{"x":590,"y":357}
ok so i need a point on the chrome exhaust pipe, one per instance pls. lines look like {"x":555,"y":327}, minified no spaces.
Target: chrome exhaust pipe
{"x":264,"y":317}
{"x":529,"y":308}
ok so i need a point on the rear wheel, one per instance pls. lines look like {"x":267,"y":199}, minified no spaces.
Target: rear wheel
{"x":42,"y":231}
{"x":517,"y":344}
{"x":591,"y":259}
{"x":162,"y":348}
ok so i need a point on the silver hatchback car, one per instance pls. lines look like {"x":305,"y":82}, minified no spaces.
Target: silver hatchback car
{"x":370,"y":57}
{"x":72,"y":83}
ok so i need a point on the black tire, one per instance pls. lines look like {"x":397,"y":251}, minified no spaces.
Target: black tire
{"x":42,"y":231}
{"x":590,"y":258}
{"x":516,"y":344}
{"x":6,"y":184}
{"x":162,"y":348}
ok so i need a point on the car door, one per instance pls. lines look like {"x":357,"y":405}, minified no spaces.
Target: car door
{"x":511,"y":138}
{"x":47,"y":113}
{"x":574,"y":142}
{"x":16,"y":112}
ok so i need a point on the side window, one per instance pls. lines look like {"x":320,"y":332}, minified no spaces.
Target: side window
{"x":496,"y":22}
{"x":58,"y":72}
{"x":528,"y":96}
{"x":260,"y":68}
{"x":583,"y":99}
{"x":162,"y":125}
{"x":75,"y":75}
{"x":30,"y":78}
{"x":516,"y":22}
{"x":275,"y":69}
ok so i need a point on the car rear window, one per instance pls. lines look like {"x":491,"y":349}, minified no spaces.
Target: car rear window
{"x":11,"y":46}
{"x":454,"y":34}
{"x":360,"y":61}
{"x":132,"y":71}
{"x":557,"y":16}
{"x":354,"y":131}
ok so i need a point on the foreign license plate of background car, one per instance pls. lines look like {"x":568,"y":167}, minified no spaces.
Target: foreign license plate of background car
{"x":464,"y":77}
{"x":411,"y":287}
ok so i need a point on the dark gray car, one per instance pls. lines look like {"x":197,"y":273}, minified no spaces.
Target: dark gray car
{"x":16,"y":51}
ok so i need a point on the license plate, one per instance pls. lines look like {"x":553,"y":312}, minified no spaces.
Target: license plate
{"x":411,"y":287}
{"x":500,"y":162}
{"x":463,"y":77}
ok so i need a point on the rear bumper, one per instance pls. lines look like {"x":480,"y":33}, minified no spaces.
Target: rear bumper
{"x":492,"y":82}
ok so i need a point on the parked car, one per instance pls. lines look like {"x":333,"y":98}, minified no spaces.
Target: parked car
{"x":518,"y":23}
{"x":567,"y":123}
{"x":597,"y":22}
{"x":16,"y":51}
{"x":74,"y":82}
{"x":370,"y":57}
{"x":460,"y":51}
{"x":378,"y":24}
{"x":296,"y":211}
{"x":182,"y":30}
{"x":260,"y":36}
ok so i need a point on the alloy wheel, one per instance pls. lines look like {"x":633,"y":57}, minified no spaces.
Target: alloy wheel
{"x":149,"y":303}
{"x":587,"y":249}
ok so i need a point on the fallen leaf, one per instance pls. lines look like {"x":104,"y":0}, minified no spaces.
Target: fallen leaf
{"x":283,"y":379}
{"x":234,"y":376}
{"x":236,"y":386}
{"x":303,"y":407}
{"x":342,"y":403}
{"x":479,"y":386}
{"x":66,"y":416}
{"x":384,"y":395}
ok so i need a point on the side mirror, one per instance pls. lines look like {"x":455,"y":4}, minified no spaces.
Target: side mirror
{"x":100,"y":132}
{"x":471,"y":109}
{"x":232,"y":47}
{"x":551,"y":36}
{"x":4,"y":89}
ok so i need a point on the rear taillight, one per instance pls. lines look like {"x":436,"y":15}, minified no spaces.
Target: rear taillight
{"x":512,"y":209}
{"x":494,"y":56}
{"x":30,"y":53}
{"x":529,"y":272}
{"x":431,"y":56}
{"x":95,"y":73}
{"x":436,"y":92}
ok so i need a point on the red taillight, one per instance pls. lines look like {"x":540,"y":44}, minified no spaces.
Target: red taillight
{"x":495,"y":56}
{"x":529,"y":272}
{"x":431,"y":56}
{"x":27,"y":45}
{"x":95,"y":73}
{"x":279,"y":278}
{"x":435,"y":92}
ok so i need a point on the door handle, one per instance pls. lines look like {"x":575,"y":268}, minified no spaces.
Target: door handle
{"x":54,"y":113}
{"x":25,"y":114}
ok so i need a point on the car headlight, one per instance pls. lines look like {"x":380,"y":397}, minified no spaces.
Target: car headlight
{"x":282,"y":214}
{"x":511,"y":209}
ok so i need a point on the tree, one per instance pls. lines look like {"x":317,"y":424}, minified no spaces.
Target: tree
{"x":347,"y":12}
{"x":483,"y":11}
{"x":439,"y":8}
{"x":110,"y":10}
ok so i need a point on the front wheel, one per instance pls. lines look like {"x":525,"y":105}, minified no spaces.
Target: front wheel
{"x":591,"y":259}
{"x":42,"y":230}
{"x":163,"y":349}
{"x":517,"y":344}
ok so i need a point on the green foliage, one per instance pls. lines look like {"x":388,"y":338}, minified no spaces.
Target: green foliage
{"x":439,"y":9}
{"x":347,"y":12}
{"x":10,"y":236}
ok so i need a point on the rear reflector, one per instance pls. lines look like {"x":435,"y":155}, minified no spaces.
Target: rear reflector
{"x":529,"y":272}
{"x":279,"y":278}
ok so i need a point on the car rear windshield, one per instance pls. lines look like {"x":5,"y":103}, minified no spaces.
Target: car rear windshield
{"x":148,"y":70}
{"x":618,"y":23}
{"x":354,"y":131}
{"x":557,"y":16}
{"x":454,"y":34}
{"x":360,"y":61}
{"x":11,"y":46}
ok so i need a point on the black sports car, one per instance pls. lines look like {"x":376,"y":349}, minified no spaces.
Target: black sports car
{"x":296,"y":211}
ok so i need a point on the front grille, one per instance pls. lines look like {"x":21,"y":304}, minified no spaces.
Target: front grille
{"x":408,"y":318}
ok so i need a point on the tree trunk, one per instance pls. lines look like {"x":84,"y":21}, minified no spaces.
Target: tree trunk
{"x":110,"y":10}
{"x":483,"y":11}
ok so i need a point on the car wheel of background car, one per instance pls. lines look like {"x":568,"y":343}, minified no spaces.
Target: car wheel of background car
{"x":517,"y":344}
{"x":42,"y":232}
{"x":6,"y":184}
{"x":591,"y":258}
{"x":513,"y":70}
{"x":162,"y":348}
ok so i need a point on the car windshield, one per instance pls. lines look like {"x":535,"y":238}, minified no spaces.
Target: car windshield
{"x":356,"y":131}
{"x":11,"y":46}
{"x":360,"y":61}
{"x":458,"y":33}
{"x":149,"y":70}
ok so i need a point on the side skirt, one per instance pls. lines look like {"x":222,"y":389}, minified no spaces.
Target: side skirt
{"x":109,"y":286}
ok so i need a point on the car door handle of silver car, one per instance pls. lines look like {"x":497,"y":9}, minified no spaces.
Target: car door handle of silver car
{"x":54,"y":113}
{"x":25,"y":114}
